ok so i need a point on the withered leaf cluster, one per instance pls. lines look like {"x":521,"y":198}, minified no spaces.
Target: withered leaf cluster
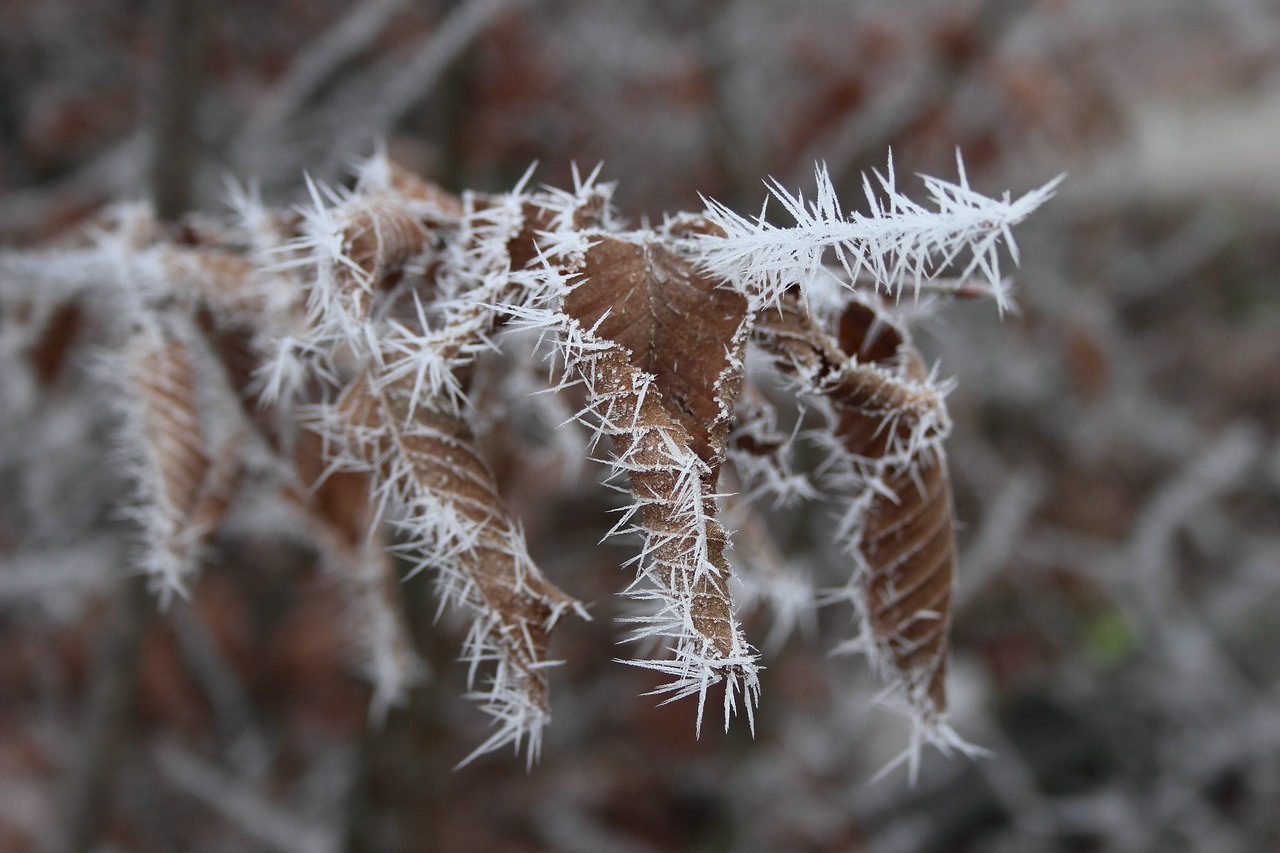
{"x":339,"y":360}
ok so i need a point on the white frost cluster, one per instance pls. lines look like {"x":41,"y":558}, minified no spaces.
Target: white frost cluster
{"x":899,"y":243}
{"x":393,"y":292}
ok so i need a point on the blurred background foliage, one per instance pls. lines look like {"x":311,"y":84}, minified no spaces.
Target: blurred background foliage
{"x":1116,"y":456}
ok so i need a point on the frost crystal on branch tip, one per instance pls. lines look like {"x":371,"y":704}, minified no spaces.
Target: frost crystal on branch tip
{"x":899,"y":243}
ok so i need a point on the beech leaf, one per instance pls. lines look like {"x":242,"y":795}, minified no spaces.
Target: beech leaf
{"x":677,"y":324}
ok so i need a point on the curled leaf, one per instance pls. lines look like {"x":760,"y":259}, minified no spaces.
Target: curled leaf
{"x":455,"y":522}
{"x":184,"y":491}
{"x":658,"y":346}
{"x":908,"y":544}
{"x":889,"y":420}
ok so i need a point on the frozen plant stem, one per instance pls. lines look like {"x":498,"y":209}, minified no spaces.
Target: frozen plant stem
{"x":109,"y":707}
{"x":179,"y":26}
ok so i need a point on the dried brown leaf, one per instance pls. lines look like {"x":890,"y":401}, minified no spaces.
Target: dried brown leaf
{"x":871,"y":374}
{"x":461,"y":525}
{"x":186,"y":490}
{"x":380,"y":233}
{"x":171,"y":424}
{"x":676,"y":323}
{"x":663,"y":371}
{"x":908,"y":542}
{"x":889,"y":420}
{"x":908,"y":534}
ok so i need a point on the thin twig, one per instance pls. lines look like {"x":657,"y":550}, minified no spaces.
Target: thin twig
{"x":866,"y":136}
{"x":179,"y":25}
{"x":1003,"y":525}
{"x":418,"y":76}
{"x":336,"y":46}
{"x":253,"y":813}
{"x":229,"y":696}
{"x":108,"y":710}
